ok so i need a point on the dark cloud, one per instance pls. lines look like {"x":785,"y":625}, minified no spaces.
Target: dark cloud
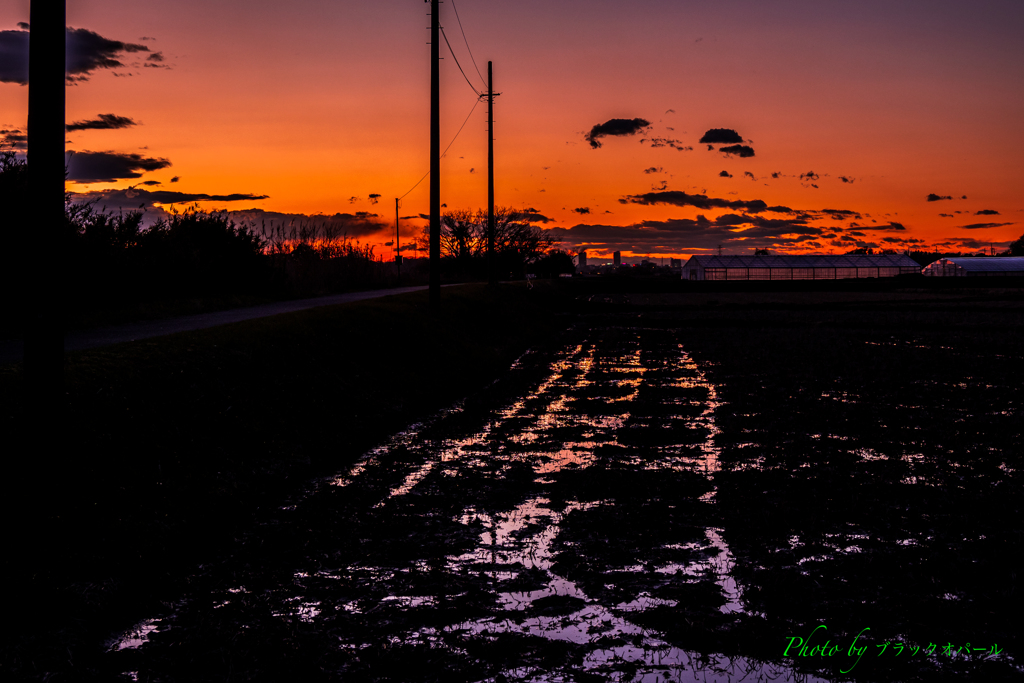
{"x":947,"y":215}
{"x":671,"y":111}
{"x":963,"y":197}
{"x":936,"y":198}
{"x":846,"y":179}
{"x":13,"y":139}
{"x":616,"y":127}
{"x":175,"y":179}
{"x":981,"y":226}
{"x":14,"y":56}
{"x":101,"y":167}
{"x":103,"y":122}
{"x":969,"y":243}
{"x":23,"y":25}
{"x":776,"y":175}
{"x":741,"y":151}
{"x":87,"y":51}
{"x":667,"y":142}
{"x":986,"y":212}
{"x":150,"y":182}
{"x":155,"y":57}
{"x":701,"y":201}
{"x":582,"y":210}
{"x":533,"y":216}
{"x":374,"y":197}
{"x":654,"y":169}
{"x":749,"y":175}
{"x":168,"y":197}
{"x":146,"y":201}
{"x":725,"y":174}
{"x":739,"y":232}
{"x":721,"y":135}
{"x":810,"y":175}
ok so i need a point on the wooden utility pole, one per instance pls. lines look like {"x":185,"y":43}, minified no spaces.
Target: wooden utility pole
{"x":44,"y":328}
{"x":435,"y":156}
{"x":492,"y":275}
{"x":398,"y":246}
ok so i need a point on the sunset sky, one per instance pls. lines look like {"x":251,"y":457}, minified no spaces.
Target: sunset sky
{"x":882,"y":124}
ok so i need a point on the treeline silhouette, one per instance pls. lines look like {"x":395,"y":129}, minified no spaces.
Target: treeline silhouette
{"x":112,"y":261}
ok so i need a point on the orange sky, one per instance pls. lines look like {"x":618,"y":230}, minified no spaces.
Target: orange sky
{"x":314,"y":104}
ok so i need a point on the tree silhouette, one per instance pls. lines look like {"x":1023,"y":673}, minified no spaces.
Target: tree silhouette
{"x":517,"y":242}
{"x":1017,"y":247}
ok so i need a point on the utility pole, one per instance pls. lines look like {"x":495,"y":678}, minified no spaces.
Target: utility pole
{"x":492,"y":275}
{"x":398,"y":246}
{"x":435,"y":156}
{"x":44,"y":329}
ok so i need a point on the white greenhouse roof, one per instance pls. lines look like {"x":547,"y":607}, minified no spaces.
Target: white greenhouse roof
{"x":987,"y":264}
{"x":806,"y":261}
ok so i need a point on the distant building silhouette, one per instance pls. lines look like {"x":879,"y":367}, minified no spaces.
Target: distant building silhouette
{"x":617,"y":258}
{"x":582,"y":259}
{"x":675,"y":263}
{"x":802,"y":267}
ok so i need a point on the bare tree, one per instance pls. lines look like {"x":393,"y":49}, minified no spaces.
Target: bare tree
{"x":464,"y":236}
{"x":461,"y":234}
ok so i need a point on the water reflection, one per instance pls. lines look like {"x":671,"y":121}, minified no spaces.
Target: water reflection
{"x":611,"y":522}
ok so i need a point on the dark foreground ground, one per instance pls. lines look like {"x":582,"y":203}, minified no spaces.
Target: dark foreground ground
{"x":666,"y":487}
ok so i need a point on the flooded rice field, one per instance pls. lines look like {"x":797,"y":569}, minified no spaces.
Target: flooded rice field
{"x":647,"y":505}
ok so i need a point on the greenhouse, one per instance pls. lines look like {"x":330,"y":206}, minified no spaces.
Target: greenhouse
{"x":804,"y":267}
{"x":975,"y":266}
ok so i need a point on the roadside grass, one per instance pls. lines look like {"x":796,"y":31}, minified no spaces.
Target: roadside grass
{"x":171,"y":446}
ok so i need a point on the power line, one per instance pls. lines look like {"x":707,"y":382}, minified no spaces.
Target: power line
{"x":445,"y":149}
{"x":450,"y":50}
{"x":467,"y":42}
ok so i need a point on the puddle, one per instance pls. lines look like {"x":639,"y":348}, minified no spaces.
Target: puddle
{"x":582,"y":528}
{"x":134,"y":637}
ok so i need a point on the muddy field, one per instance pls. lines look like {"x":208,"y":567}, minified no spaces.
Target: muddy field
{"x":664,"y":493}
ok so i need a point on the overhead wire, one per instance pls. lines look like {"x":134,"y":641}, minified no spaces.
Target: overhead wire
{"x":445,"y":149}
{"x":484,"y":80}
{"x":478,"y":94}
{"x":452,"y":52}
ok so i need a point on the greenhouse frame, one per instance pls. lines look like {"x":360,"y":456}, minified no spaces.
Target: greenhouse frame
{"x":803,"y":267}
{"x":976,"y":266}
